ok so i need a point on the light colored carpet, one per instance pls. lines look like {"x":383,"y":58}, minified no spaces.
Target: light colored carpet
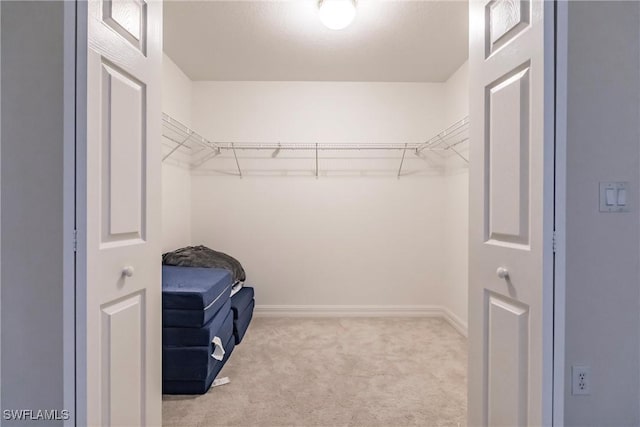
{"x":336,"y":372}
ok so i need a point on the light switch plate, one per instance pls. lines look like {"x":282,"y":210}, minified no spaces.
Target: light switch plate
{"x":614,"y":187}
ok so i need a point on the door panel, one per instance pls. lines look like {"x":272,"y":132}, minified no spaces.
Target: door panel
{"x":507,"y":142}
{"x":507,"y":344}
{"x":511,"y":212}
{"x":504,"y":19}
{"x":122,"y":364}
{"x":123,"y":272}
{"x":129,"y":19}
{"x":122,"y":157}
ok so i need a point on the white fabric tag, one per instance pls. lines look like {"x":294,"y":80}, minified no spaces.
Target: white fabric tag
{"x":220,"y":381}
{"x":218,"y":349}
{"x":236,"y":288}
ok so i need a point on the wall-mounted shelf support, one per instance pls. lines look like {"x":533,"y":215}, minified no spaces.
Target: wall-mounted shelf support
{"x":317,"y":168}
{"x":402,"y":160}
{"x":276,"y":152}
{"x":235,"y":155}
{"x":452,"y":136}
{"x":174,"y":149}
{"x":189,"y":141}
{"x":453,"y":148}
{"x":174,"y":130}
{"x":206,"y":158}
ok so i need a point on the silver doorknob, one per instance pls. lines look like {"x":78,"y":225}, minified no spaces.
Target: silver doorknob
{"x":502,"y":272}
{"x":128,"y":271}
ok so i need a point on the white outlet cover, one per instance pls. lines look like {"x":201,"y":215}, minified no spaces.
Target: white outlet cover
{"x":580,"y":380}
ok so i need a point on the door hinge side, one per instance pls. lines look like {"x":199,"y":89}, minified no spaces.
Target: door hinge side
{"x":555,"y":242}
{"x":75,"y":240}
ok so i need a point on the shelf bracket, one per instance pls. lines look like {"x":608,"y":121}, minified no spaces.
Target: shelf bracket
{"x":177,"y":147}
{"x":235,"y":155}
{"x":317,"y":169}
{"x":402,"y":160}
{"x":276,"y":152}
{"x":215,"y":153}
{"x":459,"y":155}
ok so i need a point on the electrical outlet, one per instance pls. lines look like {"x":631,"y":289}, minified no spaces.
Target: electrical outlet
{"x":580,"y":380}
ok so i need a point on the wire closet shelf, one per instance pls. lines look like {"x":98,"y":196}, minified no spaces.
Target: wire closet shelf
{"x":182,"y":139}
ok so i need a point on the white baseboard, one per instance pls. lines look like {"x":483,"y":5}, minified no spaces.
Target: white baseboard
{"x":362,"y":311}
{"x":347,"y":311}
{"x":455,"y":322}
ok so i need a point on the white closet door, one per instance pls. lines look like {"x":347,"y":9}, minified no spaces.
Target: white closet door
{"x":123,"y":258}
{"x":511,"y":212}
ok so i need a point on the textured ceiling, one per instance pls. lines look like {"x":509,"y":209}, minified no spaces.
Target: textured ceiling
{"x":403,"y":41}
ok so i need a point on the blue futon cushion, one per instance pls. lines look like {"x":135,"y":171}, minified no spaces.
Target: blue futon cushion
{"x":192,"y":296}
{"x":241,"y":300}
{"x":195,"y":363}
{"x":191,"y":288}
{"x":189,"y":337}
{"x":241,"y":325}
{"x":198,"y":386}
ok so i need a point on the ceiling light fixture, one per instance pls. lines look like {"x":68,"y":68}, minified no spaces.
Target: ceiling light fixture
{"x":337,"y":14}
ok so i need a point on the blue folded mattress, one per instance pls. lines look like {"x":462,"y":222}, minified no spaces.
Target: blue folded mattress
{"x":241,"y":325}
{"x":192,"y":296}
{"x":198,"y":386}
{"x":241,"y":300}
{"x":189,"y":337}
{"x":195,"y":363}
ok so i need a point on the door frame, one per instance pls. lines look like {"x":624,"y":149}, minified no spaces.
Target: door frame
{"x":74,"y":291}
{"x":560,"y":209}
{"x":68,"y":265}
{"x":72,"y":142}
{"x":76,"y":26}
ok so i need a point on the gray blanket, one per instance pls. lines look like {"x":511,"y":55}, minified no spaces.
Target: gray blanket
{"x":202,"y":256}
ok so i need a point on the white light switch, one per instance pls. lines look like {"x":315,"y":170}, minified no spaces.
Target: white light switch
{"x":610,"y":197}
{"x":613,"y":197}
{"x":622,"y":197}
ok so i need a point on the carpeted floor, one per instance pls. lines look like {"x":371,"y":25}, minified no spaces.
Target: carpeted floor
{"x":336,"y":372}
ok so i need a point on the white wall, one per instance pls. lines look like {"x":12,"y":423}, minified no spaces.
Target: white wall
{"x":457,"y":95}
{"x":456,"y":203}
{"x":352,"y":241}
{"x":603,"y":275}
{"x":318,"y":111}
{"x":335,"y":240}
{"x":176,"y":178}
